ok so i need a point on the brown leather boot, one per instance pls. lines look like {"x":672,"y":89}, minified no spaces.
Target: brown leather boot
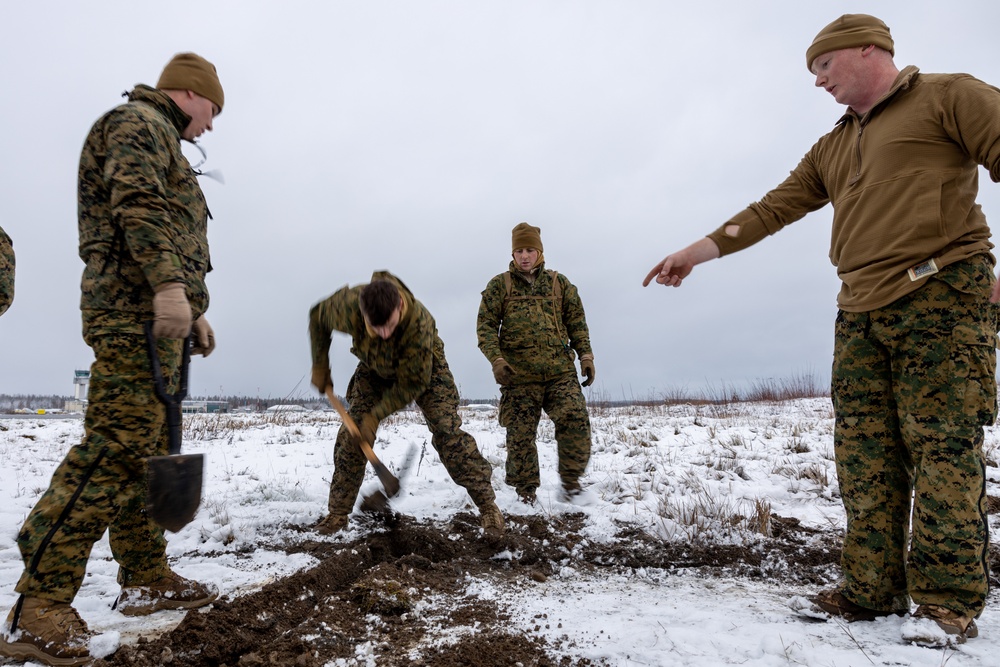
{"x":952,"y":622}
{"x":331,"y":524}
{"x":834,"y":603}
{"x":490,"y":518}
{"x":170,"y":592}
{"x":47,"y":631}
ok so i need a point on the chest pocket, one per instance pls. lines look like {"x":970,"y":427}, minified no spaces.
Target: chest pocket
{"x":531,"y":319}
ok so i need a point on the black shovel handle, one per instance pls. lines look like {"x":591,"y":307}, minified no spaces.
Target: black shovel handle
{"x":171,"y":401}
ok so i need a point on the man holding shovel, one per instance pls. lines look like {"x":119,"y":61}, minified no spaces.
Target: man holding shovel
{"x":143,"y":238}
{"x":914,"y":360}
{"x":401,"y":360}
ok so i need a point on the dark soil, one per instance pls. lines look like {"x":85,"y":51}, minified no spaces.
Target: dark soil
{"x":392,"y":591}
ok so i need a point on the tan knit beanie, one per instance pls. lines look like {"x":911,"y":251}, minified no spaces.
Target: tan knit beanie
{"x":526,"y":236}
{"x":189,"y":71}
{"x":848,"y":31}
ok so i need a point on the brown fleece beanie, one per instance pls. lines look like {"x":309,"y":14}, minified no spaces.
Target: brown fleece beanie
{"x":848,"y":31}
{"x":189,"y":71}
{"x":526,"y":236}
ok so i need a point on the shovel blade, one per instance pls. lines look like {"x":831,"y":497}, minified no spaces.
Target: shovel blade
{"x":389,"y":481}
{"x":174,"y":489}
{"x":375,"y":503}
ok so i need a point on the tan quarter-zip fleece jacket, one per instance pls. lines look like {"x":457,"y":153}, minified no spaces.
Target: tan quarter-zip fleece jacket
{"x":903,"y":181}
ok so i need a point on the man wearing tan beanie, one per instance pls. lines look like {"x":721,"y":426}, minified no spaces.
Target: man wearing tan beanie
{"x":531,"y":327}
{"x":143,"y":224}
{"x":914,"y":360}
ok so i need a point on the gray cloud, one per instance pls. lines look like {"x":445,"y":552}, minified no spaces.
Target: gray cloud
{"x":413,"y":136}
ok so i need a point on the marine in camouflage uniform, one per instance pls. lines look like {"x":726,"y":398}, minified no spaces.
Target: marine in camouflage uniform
{"x":531,"y":327}
{"x":6,"y":271}
{"x":407,"y":366}
{"x":914,"y":359}
{"x":143,"y":234}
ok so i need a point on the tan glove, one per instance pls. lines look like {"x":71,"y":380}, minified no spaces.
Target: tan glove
{"x":368,"y":425}
{"x":587,"y":368}
{"x":321,"y":379}
{"x":503,"y":372}
{"x":171,"y":312}
{"x":204,"y":337}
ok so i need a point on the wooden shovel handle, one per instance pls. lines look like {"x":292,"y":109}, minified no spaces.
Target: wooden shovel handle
{"x":388,"y":480}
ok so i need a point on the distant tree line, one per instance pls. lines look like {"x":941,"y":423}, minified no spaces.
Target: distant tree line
{"x":802,"y":385}
{"x":11,"y":402}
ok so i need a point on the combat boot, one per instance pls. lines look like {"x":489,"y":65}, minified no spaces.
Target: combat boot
{"x":575,"y":494}
{"x":170,"y":592}
{"x":47,"y":631}
{"x":833,"y":602}
{"x":952,"y":622}
{"x":331,"y":524}
{"x":490,"y":518}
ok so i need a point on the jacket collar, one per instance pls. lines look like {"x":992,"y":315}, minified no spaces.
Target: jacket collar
{"x":903,"y":81}
{"x":162,"y":103}
{"x":527,"y":276}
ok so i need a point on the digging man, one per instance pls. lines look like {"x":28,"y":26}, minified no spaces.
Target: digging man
{"x":401,"y":359}
{"x":914,"y":359}
{"x":143,"y":224}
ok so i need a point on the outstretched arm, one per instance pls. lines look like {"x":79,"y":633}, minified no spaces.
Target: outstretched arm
{"x":675,"y":267}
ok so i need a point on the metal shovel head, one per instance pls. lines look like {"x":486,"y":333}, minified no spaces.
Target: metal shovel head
{"x":174,"y":489}
{"x":375,"y":503}
{"x":389,"y":481}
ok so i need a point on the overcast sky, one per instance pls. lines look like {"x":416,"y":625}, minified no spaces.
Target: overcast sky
{"x":412,"y":136}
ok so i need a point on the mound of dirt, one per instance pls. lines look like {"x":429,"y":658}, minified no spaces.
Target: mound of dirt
{"x":397,"y":595}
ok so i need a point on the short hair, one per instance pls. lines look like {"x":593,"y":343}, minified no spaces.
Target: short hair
{"x":377,"y":300}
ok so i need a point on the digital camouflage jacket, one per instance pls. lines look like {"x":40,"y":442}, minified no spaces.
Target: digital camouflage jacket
{"x":143,"y":219}
{"x":406,"y":358}
{"x":536,"y":329}
{"x":6,"y":271}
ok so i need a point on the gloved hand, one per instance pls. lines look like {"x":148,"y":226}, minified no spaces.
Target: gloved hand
{"x":321,"y":379}
{"x":503,"y":372}
{"x":587,"y":368}
{"x":204,"y":337}
{"x":368,"y":425}
{"x":171,"y":312}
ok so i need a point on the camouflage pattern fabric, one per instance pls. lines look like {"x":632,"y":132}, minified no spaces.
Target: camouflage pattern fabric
{"x":101,"y":483}
{"x":526,"y":329}
{"x":538,"y":334}
{"x":521,"y":408}
{"x":6,"y":271}
{"x":913,"y":386}
{"x":406,"y":357}
{"x":143,"y":220}
{"x":142,"y":223}
{"x":408,"y":366}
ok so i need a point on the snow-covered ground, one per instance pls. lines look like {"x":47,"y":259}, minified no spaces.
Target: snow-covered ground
{"x":709,"y":473}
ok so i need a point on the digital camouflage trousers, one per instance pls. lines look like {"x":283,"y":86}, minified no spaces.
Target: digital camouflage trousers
{"x":439,"y":403}
{"x":101,"y":483}
{"x":913,"y":386}
{"x":521,"y":408}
